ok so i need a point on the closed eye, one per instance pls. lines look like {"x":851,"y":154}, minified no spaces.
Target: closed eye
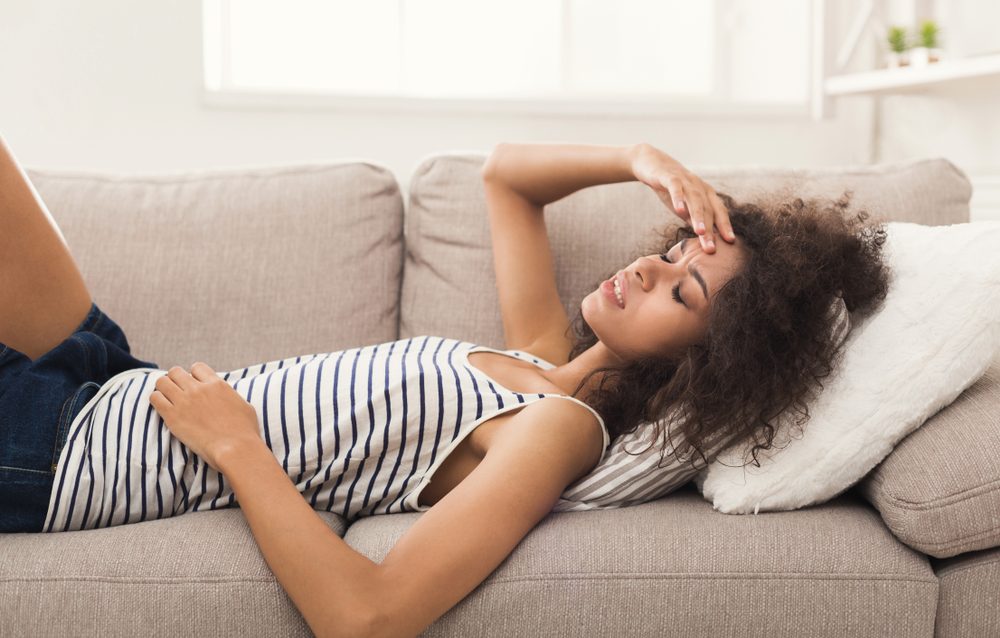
{"x":676,"y":292}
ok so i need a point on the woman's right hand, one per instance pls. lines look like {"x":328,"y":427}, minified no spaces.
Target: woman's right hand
{"x":689,"y":196}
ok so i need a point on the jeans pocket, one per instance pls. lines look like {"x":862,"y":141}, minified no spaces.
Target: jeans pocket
{"x":70,"y":407}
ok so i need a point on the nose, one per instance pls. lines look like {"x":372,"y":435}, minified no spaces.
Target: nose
{"x":651,"y":271}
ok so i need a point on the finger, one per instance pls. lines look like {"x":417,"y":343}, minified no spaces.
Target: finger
{"x":202,"y":371}
{"x":160,"y":402}
{"x":166,"y":386}
{"x":677,"y":196}
{"x":697,"y":215}
{"x":708,"y":218}
{"x":722,"y":218}
{"x":181,"y":378}
{"x":704,"y":222}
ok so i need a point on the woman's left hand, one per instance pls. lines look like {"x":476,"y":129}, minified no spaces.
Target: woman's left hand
{"x":204,"y":412}
{"x":689,"y":196}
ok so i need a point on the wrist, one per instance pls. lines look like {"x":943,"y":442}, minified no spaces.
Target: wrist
{"x":632,"y":154}
{"x":234,"y":453}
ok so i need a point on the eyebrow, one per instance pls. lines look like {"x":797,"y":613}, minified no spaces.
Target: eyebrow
{"x":694,"y":272}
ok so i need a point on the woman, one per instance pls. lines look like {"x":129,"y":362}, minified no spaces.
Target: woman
{"x":726,"y":334}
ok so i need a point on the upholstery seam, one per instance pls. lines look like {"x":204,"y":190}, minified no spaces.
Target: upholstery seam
{"x":947,"y":543}
{"x":262,"y":172}
{"x":720,"y":575}
{"x":516,"y":579}
{"x":938,"y":501}
{"x":139,"y":581}
{"x":948,"y":569}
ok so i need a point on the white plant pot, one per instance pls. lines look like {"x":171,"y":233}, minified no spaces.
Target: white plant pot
{"x":896,"y":60}
{"x":920,"y":56}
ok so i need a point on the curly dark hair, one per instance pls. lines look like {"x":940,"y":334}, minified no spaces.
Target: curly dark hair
{"x":770,"y":334}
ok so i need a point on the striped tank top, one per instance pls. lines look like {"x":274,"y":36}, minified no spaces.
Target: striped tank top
{"x":359,"y":432}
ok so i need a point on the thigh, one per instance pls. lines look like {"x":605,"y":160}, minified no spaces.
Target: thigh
{"x":43,"y":290}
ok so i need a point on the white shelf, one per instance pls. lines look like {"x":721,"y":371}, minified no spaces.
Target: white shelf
{"x":909,"y":79}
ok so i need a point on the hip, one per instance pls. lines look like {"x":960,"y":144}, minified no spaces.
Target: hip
{"x":38,"y":402}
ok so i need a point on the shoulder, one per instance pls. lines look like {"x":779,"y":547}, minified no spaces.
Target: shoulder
{"x":565,"y":431}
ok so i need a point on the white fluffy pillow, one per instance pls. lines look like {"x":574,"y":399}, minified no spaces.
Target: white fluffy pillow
{"x":936,"y":334}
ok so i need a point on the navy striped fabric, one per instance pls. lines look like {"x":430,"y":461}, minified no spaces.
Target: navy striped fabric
{"x":359,"y":432}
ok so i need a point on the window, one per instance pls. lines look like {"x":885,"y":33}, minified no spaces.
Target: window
{"x":696,"y":55}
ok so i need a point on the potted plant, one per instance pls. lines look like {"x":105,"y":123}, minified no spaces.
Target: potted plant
{"x":928,"y":51}
{"x":897,"y":47}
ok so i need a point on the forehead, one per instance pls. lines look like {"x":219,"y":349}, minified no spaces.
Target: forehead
{"x":723,"y":249}
{"x":717,"y":267}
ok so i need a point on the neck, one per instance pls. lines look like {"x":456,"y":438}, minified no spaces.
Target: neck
{"x":569,"y":375}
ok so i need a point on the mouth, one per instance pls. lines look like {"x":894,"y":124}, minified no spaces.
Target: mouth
{"x":608,"y":290}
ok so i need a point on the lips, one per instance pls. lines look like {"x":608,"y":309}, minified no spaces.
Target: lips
{"x":608,"y":288}
{"x":623,"y":284}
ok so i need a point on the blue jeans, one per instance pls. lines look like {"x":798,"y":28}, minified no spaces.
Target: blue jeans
{"x":38,"y":401}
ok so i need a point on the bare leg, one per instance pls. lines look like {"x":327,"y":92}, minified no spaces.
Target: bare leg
{"x":43,"y":297}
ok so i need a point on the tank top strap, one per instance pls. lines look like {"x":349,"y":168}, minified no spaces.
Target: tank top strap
{"x":542,"y":363}
{"x":518,"y":354}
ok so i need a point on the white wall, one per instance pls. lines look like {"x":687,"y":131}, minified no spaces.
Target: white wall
{"x":957,"y":120}
{"x":962,"y":124}
{"x":116,"y":85}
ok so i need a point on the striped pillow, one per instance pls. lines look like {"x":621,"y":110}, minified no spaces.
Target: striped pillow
{"x":622,"y":479}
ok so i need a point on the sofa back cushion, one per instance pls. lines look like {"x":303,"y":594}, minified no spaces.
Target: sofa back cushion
{"x":235,"y":267}
{"x":939,"y":490}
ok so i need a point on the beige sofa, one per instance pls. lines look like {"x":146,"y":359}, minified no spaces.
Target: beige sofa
{"x":234,"y":267}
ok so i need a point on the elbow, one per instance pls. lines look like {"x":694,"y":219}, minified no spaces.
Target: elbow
{"x":390,"y":619}
{"x":373,"y":626}
{"x":489,"y":166}
{"x":366,"y":624}
{"x":378,"y":625}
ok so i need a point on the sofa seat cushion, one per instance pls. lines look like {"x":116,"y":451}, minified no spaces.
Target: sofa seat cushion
{"x":197,"y":574}
{"x":238,"y":266}
{"x":939,"y":490}
{"x":831,"y":570}
{"x":967,"y":595}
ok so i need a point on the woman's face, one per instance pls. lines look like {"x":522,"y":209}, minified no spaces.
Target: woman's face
{"x":653,"y":321}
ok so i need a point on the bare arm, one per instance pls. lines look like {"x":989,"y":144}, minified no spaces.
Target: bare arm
{"x":452,"y":548}
{"x":331,"y":584}
{"x":544,"y":173}
{"x":518,"y":181}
